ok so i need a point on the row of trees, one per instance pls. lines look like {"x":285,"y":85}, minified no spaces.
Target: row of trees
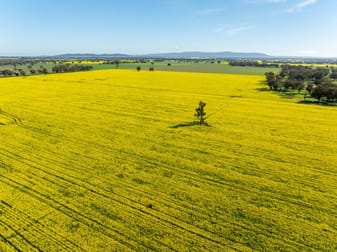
{"x":71,"y":68}
{"x":43,"y":70}
{"x":7,"y":72}
{"x":251,"y":63}
{"x":316,"y":82}
{"x":21,"y":72}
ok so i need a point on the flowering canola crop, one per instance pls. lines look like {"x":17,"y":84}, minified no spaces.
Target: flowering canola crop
{"x":110,"y":160}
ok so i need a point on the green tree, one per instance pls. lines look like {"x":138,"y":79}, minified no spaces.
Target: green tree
{"x":270,"y":78}
{"x":333,"y":74}
{"x":22,"y":72}
{"x":200,"y":112}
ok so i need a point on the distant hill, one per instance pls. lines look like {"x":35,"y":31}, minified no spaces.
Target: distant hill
{"x":91,"y":55}
{"x":246,"y":55}
{"x":209,"y":55}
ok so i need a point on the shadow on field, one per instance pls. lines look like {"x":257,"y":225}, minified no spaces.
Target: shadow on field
{"x":189,"y":124}
{"x":264,"y":87}
{"x":281,"y":93}
{"x":322,"y":103}
{"x":286,"y":94}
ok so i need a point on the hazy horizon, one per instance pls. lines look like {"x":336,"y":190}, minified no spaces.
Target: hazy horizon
{"x":170,"y":52}
{"x":302,"y":28}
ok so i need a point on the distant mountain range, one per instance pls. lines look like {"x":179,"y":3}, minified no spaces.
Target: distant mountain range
{"x":209,"y":55}
{"x":194,"y":54}
{"x":90,"y":55}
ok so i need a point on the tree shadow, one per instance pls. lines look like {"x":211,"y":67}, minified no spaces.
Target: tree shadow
{"x":322,"y":103}
{"x":263,"y":89}
{"x":283,"y":93}
{"x":280,"y":92}
{"x":189,"y":124}
{"x":286,"y":94}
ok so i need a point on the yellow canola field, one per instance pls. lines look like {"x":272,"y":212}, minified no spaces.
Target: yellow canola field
{"x":111,"y":161}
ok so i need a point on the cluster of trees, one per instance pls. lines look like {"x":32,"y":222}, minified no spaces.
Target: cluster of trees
{"x":317,"y":82}
{"x":43,"y":70}
{"x":21,"y":72}
{"x":327,"y":90}
{"x":111,"y":62}
{"x":277,"y":82}
{"x":70,"y":68}
{"x":252,"y":63}
{"x":15,"y":66}
{"x":7,"y":72}
{"x":306,"y":73}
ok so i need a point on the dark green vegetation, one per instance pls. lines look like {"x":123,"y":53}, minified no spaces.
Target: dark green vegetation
{"x":23,"y":67}
{"x":251,"y":63}
{"x":316,"y":82}
{"x":63,"y":68}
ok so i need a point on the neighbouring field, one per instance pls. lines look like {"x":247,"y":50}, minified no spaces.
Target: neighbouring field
{"x":202,"y":67}
{"x":106,"y":161}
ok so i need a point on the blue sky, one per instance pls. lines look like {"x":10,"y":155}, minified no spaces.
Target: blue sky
{"x":275,"y":27}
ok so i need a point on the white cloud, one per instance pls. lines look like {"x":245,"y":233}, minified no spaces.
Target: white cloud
{"x":301,"y":5}
{"x":210,"y":11}
{"x":306,"y":3}
{"x":266,"y":1}
{"x":232,"y":29}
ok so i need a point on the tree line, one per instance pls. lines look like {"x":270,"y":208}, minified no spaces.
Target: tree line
{"x":71,"y":68}
{"x":62,"y":68}
{"x":318,"y":82}
{"x":251,"y":63}
{"x":22,"y":72}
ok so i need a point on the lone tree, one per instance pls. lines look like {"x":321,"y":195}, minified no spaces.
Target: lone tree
{"x":117,"y":62}
{"x":200,"y":112}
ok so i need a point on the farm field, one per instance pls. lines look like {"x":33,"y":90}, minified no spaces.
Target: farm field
{"x":110,"y":160}
{"x":194,"y":67}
